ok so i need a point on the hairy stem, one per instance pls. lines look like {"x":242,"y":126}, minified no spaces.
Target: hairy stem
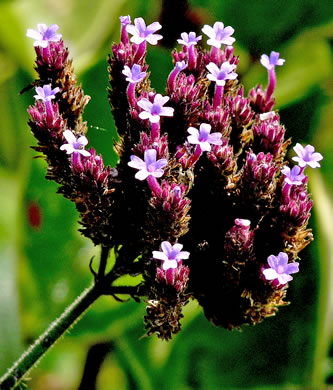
{"x":68,"y":319}
{"x":36,"y":351}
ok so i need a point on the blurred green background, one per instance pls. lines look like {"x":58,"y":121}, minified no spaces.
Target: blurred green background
{"x":44,"y":261}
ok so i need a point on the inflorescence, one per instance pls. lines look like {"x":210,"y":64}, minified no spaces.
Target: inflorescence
{"x":203,"y":164}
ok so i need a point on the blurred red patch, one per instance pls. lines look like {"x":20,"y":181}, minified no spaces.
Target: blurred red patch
{"x":35,"y":215}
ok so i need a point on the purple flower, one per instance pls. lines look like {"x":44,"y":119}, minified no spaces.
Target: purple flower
{"x":134,"y":75}
{"x":142,"y":33}
{"x":153,"y":111}
{"x":44,"y":35}
{"x":204,"y":138}
{"x":46,"y":93}
{"x":294,"y":175}
{"x":148,"y":167}
{"x":219,"y":34}
{"x":189,"y":39}
{"x":75,"y":145}
{"x":307,"y":156}
{"x":219,"y":75}
{"x":180,"y":65}
{"x":125,"y":20}
{"x":170,"y":255}
{"x":271,"y":61}
{"x":280,"y":269}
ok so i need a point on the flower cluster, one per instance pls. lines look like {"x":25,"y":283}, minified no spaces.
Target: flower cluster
{"x":203,"y":164}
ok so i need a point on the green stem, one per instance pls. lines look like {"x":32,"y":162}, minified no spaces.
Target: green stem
{"x":70,"y":316}
{"x":103,"y":262}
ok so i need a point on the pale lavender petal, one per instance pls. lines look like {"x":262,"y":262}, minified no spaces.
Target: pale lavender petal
{"x":292,"y":268}
{"x":166,"y":248}
{"x":82,"y":140}
{"x":183,"y":255}
{"x":157,"y":173}
{"x":282,"y":259}
{"x":205,"y":146}
{"x":160,"y":255}
{"x":272,"y":261}
{"x":169,"y":264}
{"x":68,"y":148}
{"x":161,"y":163}
{"x":145,"y":104}
{"x":150,"y":156}
{"x":193,"y":131}
{"x":145,"y":115}
{"x":69,"y":136}
{"x":192,"y":139}
{"x":84,"y":153}
{"x":142,"y":174}
{"x":215,"y":139}
{"x":34,"y":34}
{"x":284,"y":278}
{"x":166,"y":111}
{"x":136,"y":162}
{"x":270,"y":274}
{"x":161,"y":100}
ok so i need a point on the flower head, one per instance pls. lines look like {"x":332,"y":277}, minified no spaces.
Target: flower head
{"x":307,"y":156}
{"x":280,"y":269}
{"x":189,"y":39}
{"x":142,"y":33}
{"x":46,"y":93}
{"x":203,"y":137}
{"x":148,"y":167}
{"x":75,"y":145}
{"x":293,"y":176}
{"x":44,"y":35}
{"x":134,"y":75}
{"x":271,"y":61}
{"x":220,"y":75}
{"x":219,"y":34}
{"x":153,"y":111}
{"x":170,"y":255}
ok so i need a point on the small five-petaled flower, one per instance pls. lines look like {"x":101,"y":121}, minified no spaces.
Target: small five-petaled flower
{"x":307,"y":156}
{"x":170,"y":255}
{"x":219,"y":35}
{"x":75,"y":145}
{"x":153,"y":111}
{"x":203,"y":138}
{"x":149,"y":166}
{"x":142,"y":33}
{"x":44,"y":35}
{"x":46,"y":93}
{"x":280,"y":269}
